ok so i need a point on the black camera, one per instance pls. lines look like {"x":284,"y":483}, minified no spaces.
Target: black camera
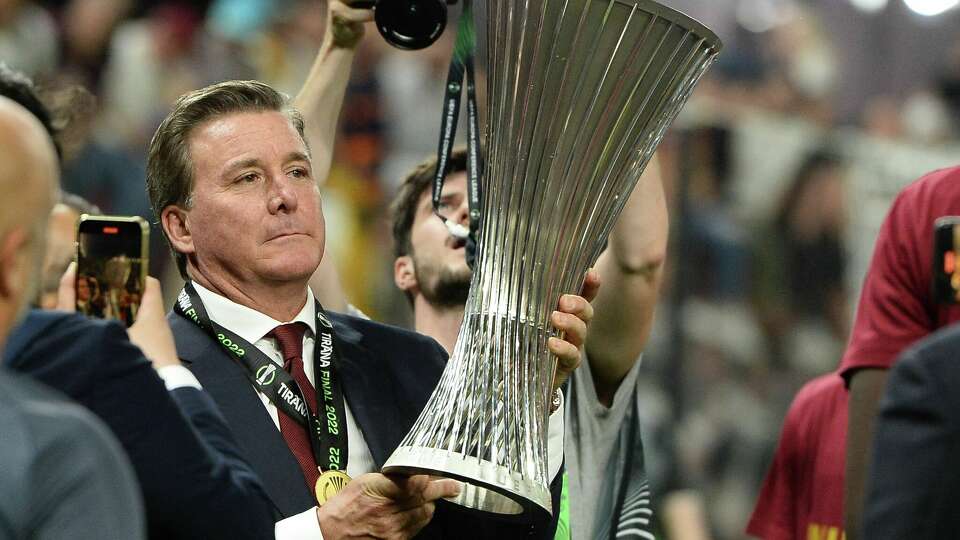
{"x":408,"y":24}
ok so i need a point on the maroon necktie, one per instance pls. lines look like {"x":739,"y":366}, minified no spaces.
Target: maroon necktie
{"x":290,"y":339}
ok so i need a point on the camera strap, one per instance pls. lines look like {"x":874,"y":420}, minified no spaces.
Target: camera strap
{"x":327,"y":432}
{"x":461,"y":66}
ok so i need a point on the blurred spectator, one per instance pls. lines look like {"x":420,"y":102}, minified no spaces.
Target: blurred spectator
{"x":948,"y":86}
{"x":881,"y":118}
{"x":801,"y":59}
{"x":28,"y":38}
{"x":412,"y":90}
{"x":87,"y":26}
{"x":287,"y":35}
{"x":150,"y":65}
{"x":106,"y":176}
{"x":926,"y":117}
{"x":711,"y":233}
{"x":799,"y":286}
{"x":61,"y":245}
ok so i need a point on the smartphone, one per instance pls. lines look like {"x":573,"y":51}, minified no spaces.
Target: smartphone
{"x":112,"y":257}
{"x":946,"y":263}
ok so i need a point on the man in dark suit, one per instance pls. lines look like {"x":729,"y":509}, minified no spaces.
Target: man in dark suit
{"x":915,"y":475}
{"x":61,"y":473}
{"x":194,"y":482}
{"x":180,"y":462}
{"x":231,"y":179}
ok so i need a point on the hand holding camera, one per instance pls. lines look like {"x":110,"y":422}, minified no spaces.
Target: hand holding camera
{"x":408,"y":24}
{"x":345,"y":23}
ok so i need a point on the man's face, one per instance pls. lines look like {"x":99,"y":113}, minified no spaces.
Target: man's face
{"x":255,"y":214}
{"x":61,"y":238}
{"x":439,"y":258}
{"x":83,"y":289}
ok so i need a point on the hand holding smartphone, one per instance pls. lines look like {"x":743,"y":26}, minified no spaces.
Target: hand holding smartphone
{"x":946,"y":260}
{"x":112,"y":260}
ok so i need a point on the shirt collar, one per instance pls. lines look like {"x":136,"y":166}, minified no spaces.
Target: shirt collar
{"x":249,"y":323}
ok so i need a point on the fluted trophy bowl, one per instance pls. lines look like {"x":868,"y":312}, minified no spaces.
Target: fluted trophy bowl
{"x":579,"y":94}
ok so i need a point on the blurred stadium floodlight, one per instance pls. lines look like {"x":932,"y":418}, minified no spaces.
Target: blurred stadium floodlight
{"x":870,"y":6}
{"x":930,"y":8}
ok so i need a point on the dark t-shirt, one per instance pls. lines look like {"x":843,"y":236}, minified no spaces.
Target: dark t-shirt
{"x":802,"y":495}
{"x":897,"y":306}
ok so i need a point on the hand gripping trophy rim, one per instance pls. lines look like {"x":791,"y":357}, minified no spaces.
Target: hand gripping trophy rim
{"x":579,"y":94}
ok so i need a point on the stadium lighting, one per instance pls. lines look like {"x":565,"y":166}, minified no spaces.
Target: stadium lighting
{"x":929,"y":8}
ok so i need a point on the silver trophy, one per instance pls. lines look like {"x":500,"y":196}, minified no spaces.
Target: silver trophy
{"x":579,"y":94}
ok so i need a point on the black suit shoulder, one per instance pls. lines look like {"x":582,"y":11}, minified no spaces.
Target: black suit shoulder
{"x":915,"y":474}
{"x":191,"y":486}
{"x":63,"y":474}
{"x":68,"y":352}
{"x":404,"y":343}
{"x":406,"y":364}
{"x":937,"y":351}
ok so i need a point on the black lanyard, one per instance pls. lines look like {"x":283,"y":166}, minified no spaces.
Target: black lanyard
{"x":327,"y":430}
{"x":460,"y":64}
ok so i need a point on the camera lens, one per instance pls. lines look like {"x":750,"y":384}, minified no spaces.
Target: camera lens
{"x":411,"y":24}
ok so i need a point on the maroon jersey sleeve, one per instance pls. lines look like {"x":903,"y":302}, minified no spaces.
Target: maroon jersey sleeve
{"x":896,"y":305}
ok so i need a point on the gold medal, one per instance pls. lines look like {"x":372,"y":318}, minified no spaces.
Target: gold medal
{"x":329,"y":484}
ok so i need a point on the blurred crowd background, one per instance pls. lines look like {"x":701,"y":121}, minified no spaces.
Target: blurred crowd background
{"x":778,"y":173}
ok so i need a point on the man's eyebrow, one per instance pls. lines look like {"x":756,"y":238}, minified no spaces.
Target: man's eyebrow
{"x":254,"y":162}
{"x":297,"y":156}
{"x":242,"y":164}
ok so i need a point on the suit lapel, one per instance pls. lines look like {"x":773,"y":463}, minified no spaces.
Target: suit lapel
{"x":257,"y":435}
{"x":371,"y":397}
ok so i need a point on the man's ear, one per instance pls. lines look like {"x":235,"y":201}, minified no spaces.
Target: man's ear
{"x":404,"y":273}
{"x":176,"y":225}
{"x":14,"y":257}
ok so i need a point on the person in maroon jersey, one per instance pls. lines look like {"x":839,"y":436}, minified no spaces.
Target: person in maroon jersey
{"x":897,"y":308}
{"x":802,"y":495}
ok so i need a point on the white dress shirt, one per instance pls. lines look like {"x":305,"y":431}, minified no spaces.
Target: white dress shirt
{"x":253,"y":326}
{"x":174,"y":377}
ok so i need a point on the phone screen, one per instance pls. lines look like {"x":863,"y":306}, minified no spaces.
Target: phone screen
{"x":111,"y":263}
{"x":946,"y":264}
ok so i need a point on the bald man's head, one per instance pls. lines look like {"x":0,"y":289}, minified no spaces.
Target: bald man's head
{"x":28,"y":181}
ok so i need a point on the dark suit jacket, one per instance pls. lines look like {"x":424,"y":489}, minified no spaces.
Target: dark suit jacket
{"x":915,"y":477}
{"x":194,"y":481}
{"x":388,"y":375}
{"x":62,"y":474}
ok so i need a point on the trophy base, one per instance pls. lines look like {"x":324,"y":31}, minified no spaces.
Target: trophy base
{"x":487,"y":487}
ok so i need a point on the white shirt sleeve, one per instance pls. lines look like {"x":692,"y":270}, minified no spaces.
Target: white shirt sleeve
{"x":178,"y":377}
{"x":303,"y":526}
{"x":555,"y":440}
